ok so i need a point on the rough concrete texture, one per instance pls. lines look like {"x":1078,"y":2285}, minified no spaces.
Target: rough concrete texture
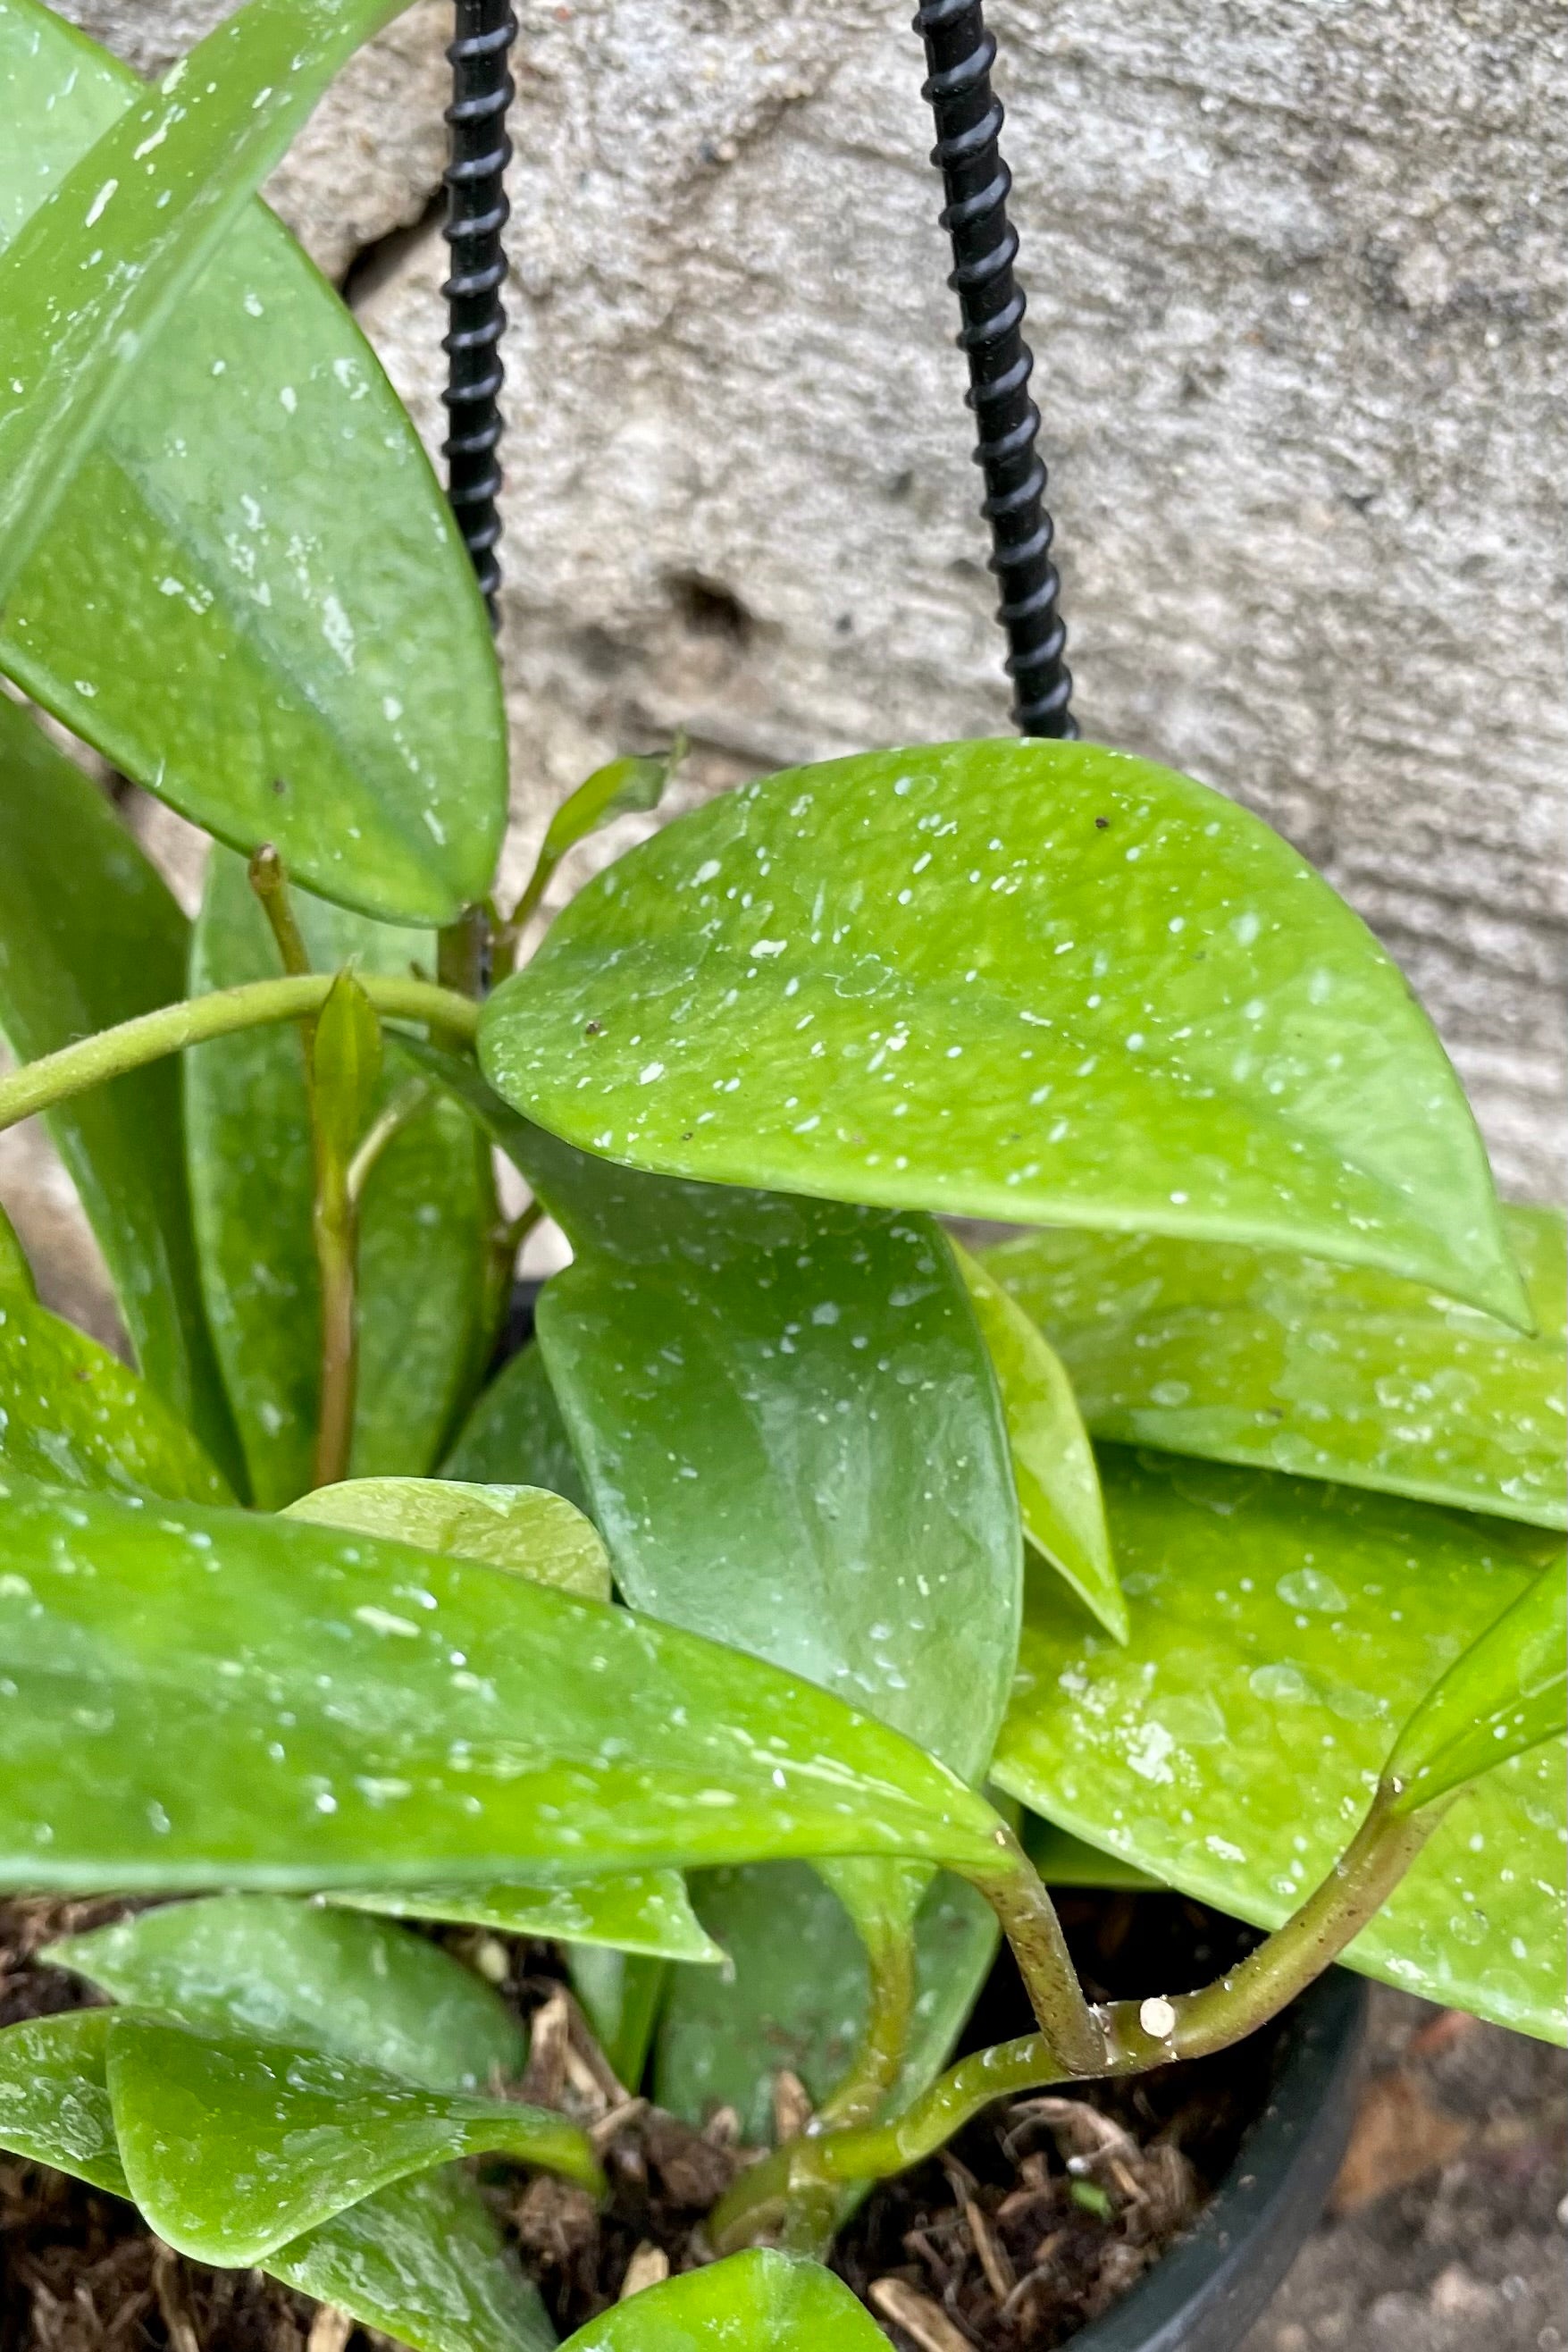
{"x":1450,"y":2228}
{"x":1299,"y":299}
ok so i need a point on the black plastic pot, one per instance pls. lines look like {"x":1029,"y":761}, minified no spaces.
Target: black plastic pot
{"x":1208,"y":2291}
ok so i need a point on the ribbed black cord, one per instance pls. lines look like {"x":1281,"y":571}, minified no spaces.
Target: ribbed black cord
{"x":482,"y":89}
{"x":959,"y":54}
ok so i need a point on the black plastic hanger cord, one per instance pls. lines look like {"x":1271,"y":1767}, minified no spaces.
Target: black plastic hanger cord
{"x":478,"y":211}
{"x":959,"y":53}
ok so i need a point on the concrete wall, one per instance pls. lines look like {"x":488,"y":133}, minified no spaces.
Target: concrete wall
{"x":1299,"y":293}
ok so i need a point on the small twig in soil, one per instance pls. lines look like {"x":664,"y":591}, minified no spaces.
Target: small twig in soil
{"x":924,"y":2322}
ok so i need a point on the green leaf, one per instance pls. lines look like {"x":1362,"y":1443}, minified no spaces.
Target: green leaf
{"x":89,"y":936}
{"x":1063,"y":1860}
{"x":16,"y":1273}
{"x":1328,"y":1372}
{"x":646,"y":1911}
{"x":797,"y":1994}
{"x":192,"y":1697}
{"x":1053,"y":1462}
{"x":225,"y":612}
{"x":233,"y":2146}
{"x":424,"y":2263}
{"x":620,"y":1993}
{"x":345,"y":1065}
{"x":1040,"y":981}
{"x":1503,"y":1696}
{"x":1281,"y":1632}
{"x":615,"y":789}
{"x":752,"y":2299}
{"x":54,"y":2099}
{"x":73,"y":1415}
{"x":421,"y":2257}
{"x":424,"y":1224}
{"x":528,"y":1529}
{"x":286,"y":1970}
{"x":515,"y":1432}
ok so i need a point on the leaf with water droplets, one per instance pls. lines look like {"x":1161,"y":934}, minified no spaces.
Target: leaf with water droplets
{"x":233,"y":2146}
{"x":525,"y":1528}
{"x":193,"y":1697}
{"x":54,"y":2099}
{"x":225,"y":609}
{"x":515,"y":1434}
{"x":423,"y":1310}
{"x":1282,"y":1630}
{"x":1507,"y":1694}
{"x":74,"y":1415}
{"x":90,"y":937}
{"x":288,"y":1970}
{"x":1040,"y":981}
{"x":644,"y":1911}
{"x":752,"y":2299}
{"x":1053,"y":1461}
{"x":1328,"y":1372}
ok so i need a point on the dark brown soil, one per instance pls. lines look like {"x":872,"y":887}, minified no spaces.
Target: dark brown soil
{"x":1039,"y":2216}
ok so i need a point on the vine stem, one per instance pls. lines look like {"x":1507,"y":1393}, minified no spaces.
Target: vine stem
{"x":1138,"y":2034}
{"x":257,"y":1004}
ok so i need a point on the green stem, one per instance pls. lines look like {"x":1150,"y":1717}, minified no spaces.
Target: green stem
{"x":879,"y":2060}
{"x":1029,"y":1923}
{"x":460,"y":952}
{"x":271,"y":883}
{"x":335,"y":1229}
{"x":1138,"y":2035}
{"x":257,"y":1004}
{"x":405,"y":1106}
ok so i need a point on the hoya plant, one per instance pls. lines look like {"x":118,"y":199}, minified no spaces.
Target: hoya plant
{"x":747,"y":1632}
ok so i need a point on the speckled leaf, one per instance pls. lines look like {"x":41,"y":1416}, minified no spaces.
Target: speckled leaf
{"x":1053,"y":1461}
{"x":286,"y":1970}
{"x":1281,"y":1632}
{"x":232,"y":2145}
{"x":1503,"y":1696}
{"x":797,"y":1996}
{"x":74,"y":1415}
{"x":54,"y":2100}
{"x":424,"y":2263}
{"x":528,"y":1529}
{"x":225,"y":610}
{"x":1042,"y":982}
{"x":253,"y":1701}
{"x":422,"y":2258}
{"x":620,"y":1994}
{"x":516,"y":1432}
{"x":646,"y":1911}
{"x":88,"y":937}
{"x":423,"y":1227}
{"x":752,"y":2299}
{"x":1329,"y":1371}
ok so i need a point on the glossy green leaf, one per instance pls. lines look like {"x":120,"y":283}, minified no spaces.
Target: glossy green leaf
{"x":190,"y":1696}
{"x":1042,"y":982}
{"x":526,"y":1528}
{"x":515,"y":1432}
{"x":54,"y":2099}
{"x":226,"y":610}
{"x":424,"y":2263}
{"x":286,"y":1970}
{"x":646,"y":1911}
{"x":422,"y":2258}
{"x":1053,"y":1462}
{"x":797,"y":1995}
{"x":233,"y":2146}
{"x":423,"y":1226}
{"x":1503,"y":1696}
{"x":790,"y":1437}
{"x":752,"y":2301}
{"x":16,"y":1273}
{"x":74,"y":1415}
{"x":1063,"y":1860}
{"x":1281,"y":1632}
{"x":620,"y":1994}
{"x":1328,"y":1372}
{"x":615,"y":789}
{"x":345,"y":1065}
{"x":88,"y":937}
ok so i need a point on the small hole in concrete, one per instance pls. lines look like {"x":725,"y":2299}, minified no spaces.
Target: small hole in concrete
{"x":708,"y":609}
